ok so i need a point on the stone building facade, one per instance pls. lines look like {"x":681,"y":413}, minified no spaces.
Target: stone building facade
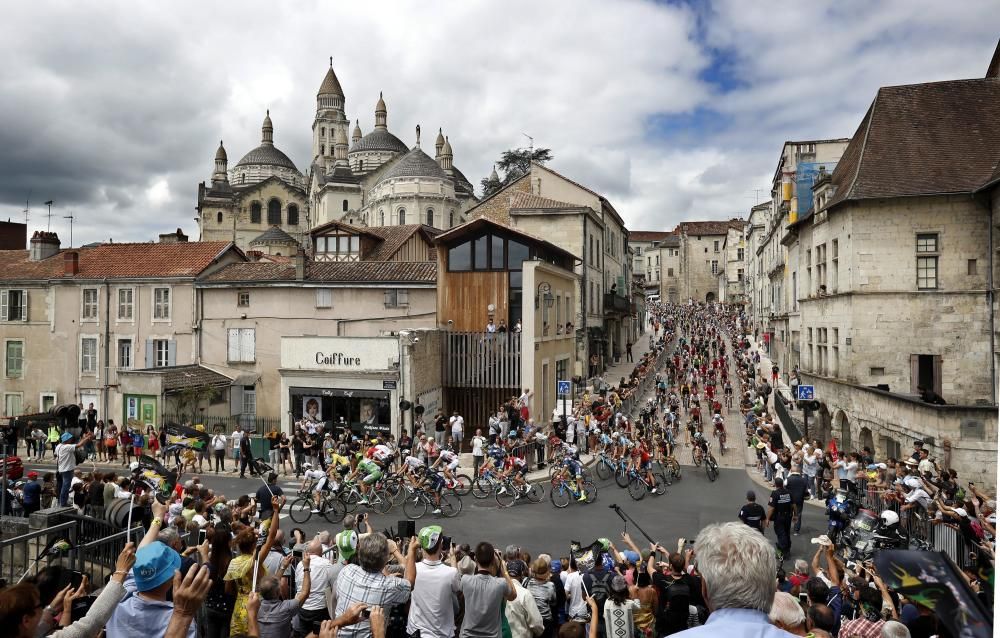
{"x":893,"y":277}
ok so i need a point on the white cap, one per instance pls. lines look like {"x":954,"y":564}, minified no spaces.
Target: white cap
{"x":961,"y":512}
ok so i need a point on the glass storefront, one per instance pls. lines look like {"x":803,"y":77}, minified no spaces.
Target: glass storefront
{"x":362,"y":411}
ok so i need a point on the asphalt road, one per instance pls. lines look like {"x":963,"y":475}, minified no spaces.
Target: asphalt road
{"x":688,"y":506}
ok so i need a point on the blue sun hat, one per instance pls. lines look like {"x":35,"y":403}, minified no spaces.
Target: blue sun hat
{"x":155,"y":564}
{"x":66,"y":436}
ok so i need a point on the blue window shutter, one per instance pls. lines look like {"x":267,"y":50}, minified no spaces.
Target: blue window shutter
{"x":150,"y":355}
{"x":171,"y":353}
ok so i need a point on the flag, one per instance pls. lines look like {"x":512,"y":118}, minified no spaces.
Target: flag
{"x":585,"y":556}
{"x":159,"y":479}
{"x":181,"y":436}
{"x":57,"y":546}
{"x":931,"y":580}
{"x":260,"y":467}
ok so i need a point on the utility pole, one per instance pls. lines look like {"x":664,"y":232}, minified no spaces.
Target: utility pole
{"x":48,"y":225}
{"x":70,"y":218}
{"x":27,"y":207}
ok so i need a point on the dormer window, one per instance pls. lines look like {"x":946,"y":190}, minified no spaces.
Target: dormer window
{"x":338,"y":247}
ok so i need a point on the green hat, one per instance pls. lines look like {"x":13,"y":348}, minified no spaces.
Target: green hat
{"x":605,"y":543}
{"x":429,"y":536}
{"x":347,"y":543}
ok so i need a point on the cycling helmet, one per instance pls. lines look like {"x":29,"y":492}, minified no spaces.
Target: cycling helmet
{"x":605,"y":543}
{"x":307,"y":466}
{"x":889,"y":517}
{"x":697,"y":435}
{"x":133,"y":466}
{"x":429,"y":536}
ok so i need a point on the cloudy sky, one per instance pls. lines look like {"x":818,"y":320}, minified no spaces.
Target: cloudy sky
{"x":675,"y":110}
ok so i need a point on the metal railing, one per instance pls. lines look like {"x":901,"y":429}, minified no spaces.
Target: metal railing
{"x":97,"y":558}
{"x":20,"y":554}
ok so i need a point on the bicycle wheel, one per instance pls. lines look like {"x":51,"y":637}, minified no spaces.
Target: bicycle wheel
{"x":300,"y":510}
{"x":559,"y":495}
{"x":636,"y":488}
{"x":381,"y":501}
{"x":535,"y":493}
{"x":350,"y":499}
{"x":603,"y":470}
{"x":661,"y":481}
{"x":621,"y":477}
{"x":415,"y":506}
{"x":675,"y":469}
{"x":451,"y":504}
{"x":334,"y":511}
{"x":505,"y":494}
{"x":695,"y":458}
{"x":463,"y":484}
{"x":710,"y":467}
{"x":398,"y":494}
{"x":590,"y":490}
{"x":482,"y":487}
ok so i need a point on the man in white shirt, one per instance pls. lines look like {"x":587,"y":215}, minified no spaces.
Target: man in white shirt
{"x":478,"y":451}
{"x":522,"y":613}
{"x":313,"y":611}
{"x":237,"y":438}
{"x":432,"y":602}
{"x":219,"y":450}
{"x":457,"y":430}
{"x":66,"y":464}
{"x":573,"y":583}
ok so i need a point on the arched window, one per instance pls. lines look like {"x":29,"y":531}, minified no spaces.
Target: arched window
{"x":451,"y":219}
{"x":364,"y":218}
{"x":322,"y":131}
{"x":274,"y":213}
{"x":218,"y":217}
{"x":402,"y":216}
{"x":381,"y":218}
{"x":293,"y":215}
{"x":243,"y":178}
{"x":345,"y":205}
{"x":430,"y":216}
{"x":322,"y":149}
{"x":254,"y":212}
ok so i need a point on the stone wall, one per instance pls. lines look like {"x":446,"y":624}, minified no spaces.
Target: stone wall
{"x":893,"y":420}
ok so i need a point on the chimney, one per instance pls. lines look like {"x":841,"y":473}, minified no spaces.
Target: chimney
{"x":43,"y":245}
{"x":300,"y":265}
{"x":71,"y":263}
{"x":254,"y":255}
{"x":174,"y":237}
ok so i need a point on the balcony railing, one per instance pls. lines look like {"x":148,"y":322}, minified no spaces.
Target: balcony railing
{"x":614,"y":303}
{"x":482,"y":360}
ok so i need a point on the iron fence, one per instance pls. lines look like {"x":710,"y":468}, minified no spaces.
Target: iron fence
{"x":252,"y":424}
{"x":21,"y":554}
{"x":98,"y":557}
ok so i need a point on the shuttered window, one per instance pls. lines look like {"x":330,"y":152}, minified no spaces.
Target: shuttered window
{"x":241,"y":345}
{"x":397,"y":298}
{"x":14,"y":305}
{"x":324,"y":298}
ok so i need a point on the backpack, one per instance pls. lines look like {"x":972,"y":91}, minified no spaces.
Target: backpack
{"x":599,"y":589}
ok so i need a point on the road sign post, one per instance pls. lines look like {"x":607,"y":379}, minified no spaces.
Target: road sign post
{"x":806,"y":397}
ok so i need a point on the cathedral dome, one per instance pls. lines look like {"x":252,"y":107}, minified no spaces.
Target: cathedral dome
{"x":266,"y":155}
{"x":380,"y":140}
{"x":416,"y":163}
{"x":330,"y":85}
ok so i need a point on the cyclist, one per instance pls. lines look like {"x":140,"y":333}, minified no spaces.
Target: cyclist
{"x":370,"y":471}
{"x":572,"y":467}
{"x":700,"y":446}
{"x":414,"y":469}
{"x":449,"y":460}
{"x":727,"y":392}
{"x":642,"y":462}
{"x":321,"y":485}
{"x":516,"y":468}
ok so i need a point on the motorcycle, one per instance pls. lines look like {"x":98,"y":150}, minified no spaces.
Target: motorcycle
{"x":840,"y":512}
{"x":866,"y":536}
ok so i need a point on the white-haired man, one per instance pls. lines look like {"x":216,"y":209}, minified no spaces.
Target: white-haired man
{"x":737,"y":606}
{"x":786,"y":613}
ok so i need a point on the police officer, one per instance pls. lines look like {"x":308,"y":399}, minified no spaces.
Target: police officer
{"x":780,"y":514}
{"x":753,"y":514}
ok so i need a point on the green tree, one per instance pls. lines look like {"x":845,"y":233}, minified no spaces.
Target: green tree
{"x":513,"y":164}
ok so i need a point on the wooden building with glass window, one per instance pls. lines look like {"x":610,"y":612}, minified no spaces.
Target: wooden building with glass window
{"x":506,"y":300}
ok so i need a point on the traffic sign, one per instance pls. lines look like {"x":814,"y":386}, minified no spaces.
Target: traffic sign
{"x":806,"y":393}
{"x":563,"y":387}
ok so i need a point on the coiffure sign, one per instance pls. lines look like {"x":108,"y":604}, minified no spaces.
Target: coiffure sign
{"x":339,"y":353}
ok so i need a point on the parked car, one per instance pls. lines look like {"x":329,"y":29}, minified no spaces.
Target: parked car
{"x":15,"y":468}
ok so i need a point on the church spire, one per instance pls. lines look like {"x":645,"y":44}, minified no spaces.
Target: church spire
{"x":221,"y":165}
{"x":267,"y":130}
{"x":445,"y":156}
{"x":438,"y":143}
{"x":381,"y":115}
{"x":356,"y":135}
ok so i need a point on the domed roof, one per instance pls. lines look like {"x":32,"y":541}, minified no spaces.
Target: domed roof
{"x":462,"y":182}
{"x":416,"y":163}
{"x":331,"y":85}
{"x":221,"y":153}
{"x":268,"y":155}
{"x":274,"y":235}
{"x":380,"y":140}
